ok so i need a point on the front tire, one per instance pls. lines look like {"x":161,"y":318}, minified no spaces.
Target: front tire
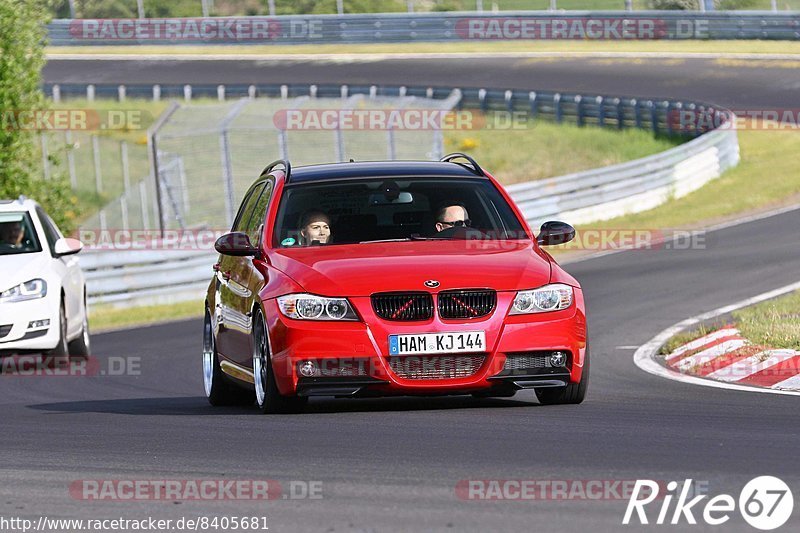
{"x":219,"y":390}
{"x":574,"y":393}
{"x":59,"y":356}
{"x":81,"y":346}
{"x":268,"y":398}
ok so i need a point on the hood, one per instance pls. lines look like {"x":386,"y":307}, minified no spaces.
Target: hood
{"x":364,"y":269}
{"x":19,"y":268}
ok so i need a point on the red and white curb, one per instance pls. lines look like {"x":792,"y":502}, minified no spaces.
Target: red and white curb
{"x":726,"y":356}
{"x":724,"y":359}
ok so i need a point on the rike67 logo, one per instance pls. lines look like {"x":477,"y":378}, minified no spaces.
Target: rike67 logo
{"x":766,"y":503}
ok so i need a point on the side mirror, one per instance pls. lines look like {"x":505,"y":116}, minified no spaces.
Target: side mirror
{"x":67,"y":246}
{"x":236,"y":243}
{"x":554,"y":232}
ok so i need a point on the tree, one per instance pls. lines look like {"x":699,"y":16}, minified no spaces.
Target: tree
{"x":22,"y":39}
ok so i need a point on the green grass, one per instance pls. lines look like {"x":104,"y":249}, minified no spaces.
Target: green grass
{"x":764,"y":178}
{"x":775,"y":323}
{"x":771,"y":324}
{"x":544,"y":149}
{"x":688,"y":336}
{"x":688,"y":46}
{"x":106,"y":317}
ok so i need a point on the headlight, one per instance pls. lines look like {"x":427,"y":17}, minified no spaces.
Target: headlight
{"x":30,"y":290}
{"x":553,"y":297}
{"x":310,"y":307}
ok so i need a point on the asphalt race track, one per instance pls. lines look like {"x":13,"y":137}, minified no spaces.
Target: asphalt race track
{"x":393,"y":464}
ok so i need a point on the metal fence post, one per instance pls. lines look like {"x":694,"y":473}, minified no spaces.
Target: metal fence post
{"x":123,"y":208}
{"x":152,"y":155}
{"x":143,"y":200}
{"x":126,"y":171}
{"x":653,"y":116}
{"x":98,"y":176}
{"x":601,"y":112}
{"x":557,"y":104}
{"x":579,"y":110}
{"x":70,"y":147}
{"x":637,"y":112}
{"x":227,"y":176}
{"x":45,"y":156}
{"x":532,"y":98}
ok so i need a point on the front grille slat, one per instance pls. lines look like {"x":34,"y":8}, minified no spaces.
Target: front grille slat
{"x":403,"y":306}
{"x":5,"y":330}
{"x":436,"y":366}
{"x":466,"y":303}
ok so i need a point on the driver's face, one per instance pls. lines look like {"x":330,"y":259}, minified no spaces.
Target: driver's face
{"x":452,"y":214}
{"x":12,"y":233}
{"x":317,"y":230}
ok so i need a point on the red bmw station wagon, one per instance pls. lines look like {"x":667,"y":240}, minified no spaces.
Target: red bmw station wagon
{"x":389,"y":278}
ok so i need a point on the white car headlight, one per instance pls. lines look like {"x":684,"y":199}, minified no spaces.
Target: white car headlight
{"x":30,"y":290}
{"x":310,"y":307}
{"x":553,"y":297}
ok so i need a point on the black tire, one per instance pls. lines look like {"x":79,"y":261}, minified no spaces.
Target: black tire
{"x":219,"y":390}
{"x":81,"y":346}
{"x":574,"y":393}
{"x":59,"y":356}
{"x":268,"y":398}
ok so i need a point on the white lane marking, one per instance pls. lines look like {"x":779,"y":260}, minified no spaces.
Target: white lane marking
{"x":702,"y":341}
{"x":791,"y":383}
{"x":645,"y":356}
{"x":631,"y":347}
{"x":750,"y":365}
{"x":709,"y":354}
{"x":724,"y":225}
{"x":379,"y":56}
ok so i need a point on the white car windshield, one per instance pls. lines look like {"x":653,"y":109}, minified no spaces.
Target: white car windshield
{"x":17,"y":235}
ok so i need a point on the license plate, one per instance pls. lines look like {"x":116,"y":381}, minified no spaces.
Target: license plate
{"x":427,"y":343}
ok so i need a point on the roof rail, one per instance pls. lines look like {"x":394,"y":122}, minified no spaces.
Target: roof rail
{"x":472,"y":166}
{"x":287,"y":168}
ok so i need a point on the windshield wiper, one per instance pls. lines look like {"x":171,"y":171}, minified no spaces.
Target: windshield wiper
{"x":406,"y":239}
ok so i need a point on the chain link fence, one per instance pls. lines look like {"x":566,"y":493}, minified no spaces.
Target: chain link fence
{"x":206,"y":156}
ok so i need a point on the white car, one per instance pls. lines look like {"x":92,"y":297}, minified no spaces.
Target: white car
{"x":42,"y":290}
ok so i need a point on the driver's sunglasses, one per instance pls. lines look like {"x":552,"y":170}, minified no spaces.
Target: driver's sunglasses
{"x":458,"y":223}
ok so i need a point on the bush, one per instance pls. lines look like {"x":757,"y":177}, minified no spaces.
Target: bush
{"x":22,"y":37}
{"x":694,"y":5}
{"x":686,"y":5}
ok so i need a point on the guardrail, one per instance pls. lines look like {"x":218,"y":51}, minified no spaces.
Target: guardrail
{"x":146,"y":277}
{"x":428,"y":27}
{"x":131,"y":278}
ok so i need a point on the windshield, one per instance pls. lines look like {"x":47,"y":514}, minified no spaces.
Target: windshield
{"x":362,"y":211}
{"x":17,"y":235}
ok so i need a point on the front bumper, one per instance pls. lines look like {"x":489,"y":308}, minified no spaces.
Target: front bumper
{"x":15,"y":319}
{"x":362,"y":349}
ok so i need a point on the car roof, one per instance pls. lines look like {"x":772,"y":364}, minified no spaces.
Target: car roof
{"x":21,"y":203}
{"x":379,"y":169}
